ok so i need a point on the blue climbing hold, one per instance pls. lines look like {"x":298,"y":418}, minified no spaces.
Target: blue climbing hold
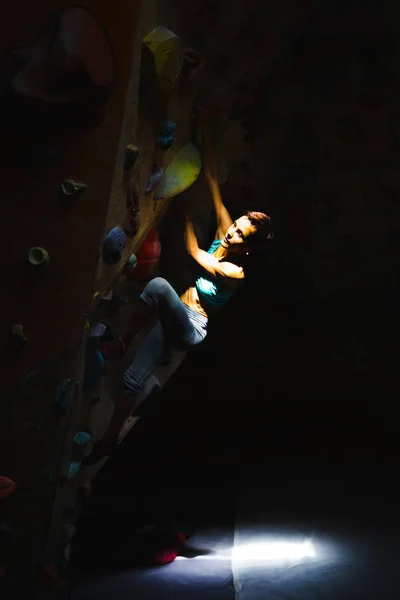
{"x":114,"y":245}
{"x":156,"y":175}
{"x":74,"y":468}
{"x":94,"y":366}
{"x":166,"y":135}
{"x":82,"y":438}
{"x":61,"y":398}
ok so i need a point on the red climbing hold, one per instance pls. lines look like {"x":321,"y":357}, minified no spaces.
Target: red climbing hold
{"x":85,"y":489}
{"x":49,"y":576}
{"x":7,"y":486}
{"x":148,"y":257}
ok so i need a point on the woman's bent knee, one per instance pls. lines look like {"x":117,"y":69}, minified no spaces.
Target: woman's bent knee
{"x":157,"y":285}
{"x":157,"y":289}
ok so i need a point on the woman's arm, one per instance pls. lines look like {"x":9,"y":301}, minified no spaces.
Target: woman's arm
{"x":210,"y":168}
{"x":208,"y":261}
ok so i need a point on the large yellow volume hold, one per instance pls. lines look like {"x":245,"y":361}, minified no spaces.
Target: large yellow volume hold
{"x":166,"y":50}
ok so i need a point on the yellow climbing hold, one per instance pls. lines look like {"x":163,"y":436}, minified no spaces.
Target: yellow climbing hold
{"x":180,"y":174}
{"x":166,"y":50}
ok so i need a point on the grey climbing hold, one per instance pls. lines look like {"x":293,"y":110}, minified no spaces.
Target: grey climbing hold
{"x":131,"y":264}
{"x":18,"y":333}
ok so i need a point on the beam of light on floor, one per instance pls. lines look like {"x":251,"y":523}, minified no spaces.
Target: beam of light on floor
{"x":273,"y":550}
{"x":207,"y":557}
{"x":276,"y":550}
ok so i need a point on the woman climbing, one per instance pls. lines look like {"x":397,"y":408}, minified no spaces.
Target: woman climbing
{"x":184,"y":320}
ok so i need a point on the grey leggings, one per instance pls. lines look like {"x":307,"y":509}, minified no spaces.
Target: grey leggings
{"x":178,"y":324}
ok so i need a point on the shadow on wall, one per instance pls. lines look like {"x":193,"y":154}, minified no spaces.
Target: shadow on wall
{"x":60,"y":80}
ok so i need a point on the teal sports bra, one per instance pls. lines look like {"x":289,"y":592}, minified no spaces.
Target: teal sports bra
{"x":211,"y":289}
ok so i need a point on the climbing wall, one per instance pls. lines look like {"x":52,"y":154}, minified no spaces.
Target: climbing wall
{"x":51,"y":133}
{"x":74,"y":153}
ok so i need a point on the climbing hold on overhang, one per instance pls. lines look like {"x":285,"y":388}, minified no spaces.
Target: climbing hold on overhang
{"x":114,"y":245}
{"x":130,"y":264}
{"x":69,"y":187}
{"x":85,"y":489}
{"x":192,"y":64}
{"x":107,"y":296}
{"x":180,"y":174}
{"x":49,"y":577}
{"x":132,"y":209}
{"x":94,"y":366}
{"x":81,"y":440}
{"x":155,"y":177}
{"x":38,"y":257}
{"x":62,"y":395}
{"x":7,"y":487}
{"x":166,"y":52}
{"x":165,"y":135}
{"x":148,"y":256}
{"x":74,"y":468}
{"x":131,"y":154}
{"x":18,"y":335}
{"x":71,"y":61}
{"x":96,"y":329}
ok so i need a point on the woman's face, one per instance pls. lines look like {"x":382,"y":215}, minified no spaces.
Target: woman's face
{"x":235,"y":239}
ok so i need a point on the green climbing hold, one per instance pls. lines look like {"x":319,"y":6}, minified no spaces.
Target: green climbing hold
{"x":38,"y":257}
{"x":69,"y":187}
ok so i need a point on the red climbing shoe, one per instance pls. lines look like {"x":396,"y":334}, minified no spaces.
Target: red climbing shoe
{"x":7,"y":486}
{"x":113,"y":350}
